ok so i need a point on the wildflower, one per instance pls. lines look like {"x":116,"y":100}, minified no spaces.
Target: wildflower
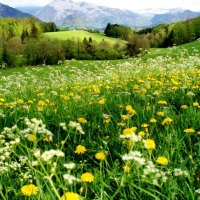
{"x":2,"y":100}
{"x":48,"y":155}
{"x":136,"y":156}
{"x":167,"y":120}
{"x":195,"y":104}
{"x":149,"y":144}
{"x":125,"y":117}
{"x":87,"y":177}
{"x":129,"y":131}
{"x":120,"y":124}
{"x":70,"y":179}
{"x":29,"y":190}
{"x":32,"y":138}
{"x":144,"y":125}
{"x":127,"y":169}
{"x":102,"y":101}
{"x":130,"y":110}
{"x":20,"y":101}
{"x":107,"y":121}
{"x":189,"y":130}
{"x":70,"y":196}
{"x":162,"y":102}
{"x":141,"y":133}
{"x":160,"y":113}
{"x":76,"y":126}
{"x":184,"y":107}
{"x":41,"y":103}
{"x":100,"y":156}
{"x":162,"y":160}
{"x":80,"y":149}
{"x":70,"y":165}
{"x":81,"y":120}
{"x":153,"y":120}
{"x":48,"y":139}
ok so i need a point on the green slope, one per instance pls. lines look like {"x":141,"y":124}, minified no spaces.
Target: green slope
{"x":81,"y":34}
{"x":191,"y":48}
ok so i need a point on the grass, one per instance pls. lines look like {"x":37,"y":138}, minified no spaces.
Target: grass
{"x":101,"y":130}
{"x":191,"y":48}
{"x":81,"y":34}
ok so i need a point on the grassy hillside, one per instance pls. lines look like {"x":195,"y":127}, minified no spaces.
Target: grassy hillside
{"x":101,"y":130}
{"x":192,"y":48}
{"x":81,"y":34}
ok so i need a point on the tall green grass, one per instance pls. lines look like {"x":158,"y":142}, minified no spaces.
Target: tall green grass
{"x":140,"y":116}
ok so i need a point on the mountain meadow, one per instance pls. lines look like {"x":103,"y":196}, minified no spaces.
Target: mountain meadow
{"x":92,"y":114}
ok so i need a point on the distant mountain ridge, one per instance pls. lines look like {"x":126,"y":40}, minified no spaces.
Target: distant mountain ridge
{"x":172,"y":17}
{"x":7,"y":11}
{"x":84,"y":15}
{"x":76,"y":14}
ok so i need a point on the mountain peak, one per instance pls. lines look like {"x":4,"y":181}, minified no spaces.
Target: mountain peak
{"x":7,"y":11}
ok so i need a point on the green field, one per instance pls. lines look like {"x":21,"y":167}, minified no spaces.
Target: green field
{"x":192,"y":48}
{"x":104,"y":130}
{"x":81,"y":34}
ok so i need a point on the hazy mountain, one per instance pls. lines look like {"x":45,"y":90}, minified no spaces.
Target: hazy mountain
{"x":67,"y":13}
{"x":30,"y":9}
{"x":7,"y":11}
{"x":173,"y":16}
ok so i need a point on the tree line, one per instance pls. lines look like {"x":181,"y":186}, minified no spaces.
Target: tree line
{"x":164,"y":35}
{"x":22,"y":43}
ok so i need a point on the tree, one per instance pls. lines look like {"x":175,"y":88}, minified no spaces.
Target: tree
{"x":137,"y":44}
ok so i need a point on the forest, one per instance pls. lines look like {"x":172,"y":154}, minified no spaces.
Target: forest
{"x":23,"y":42}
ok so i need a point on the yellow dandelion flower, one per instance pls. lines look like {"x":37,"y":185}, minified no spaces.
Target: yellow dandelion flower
{"x":29,"y":190}
{"x":102,"y":101}
{"x":32,"y":138}
{"x":127,"y":169}
{"x":130,"y":110}
{"x":153,"y":120}
{"x":184,"y":107}
{"x":189,"y":130}
{"x":81,"y":120}
{"x":80,"y":149}
{"x":48,"y":139}
{"x":120,"y":124}
{"x":195,"y":104}
{"x":95,"y":89}
{"x":40,"y":109}
{"x":41,"y":103}
{"x":70,"y":196}
{"x":166,"y":121}
{"x":162,"y":160}
{"x":129,"y":131}
{"x":2,"y":100}
{"x":107,"y":121}
{"x":87,"y":177}
{"x":162,"y":102}
{"x":144,"y":125}
{"x":141,"y":133}
{"x":100,"y":156}
{"x":30,"y":101}
{"x":20,"y":101}
{"x":71,"y":94}
{"x":160,"y":113}
{"x":136,"y":87}
{"x":125,"y":117}
{"x":150,"y":144}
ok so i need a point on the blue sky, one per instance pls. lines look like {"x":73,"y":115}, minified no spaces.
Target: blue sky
{"x":123,"y":4}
